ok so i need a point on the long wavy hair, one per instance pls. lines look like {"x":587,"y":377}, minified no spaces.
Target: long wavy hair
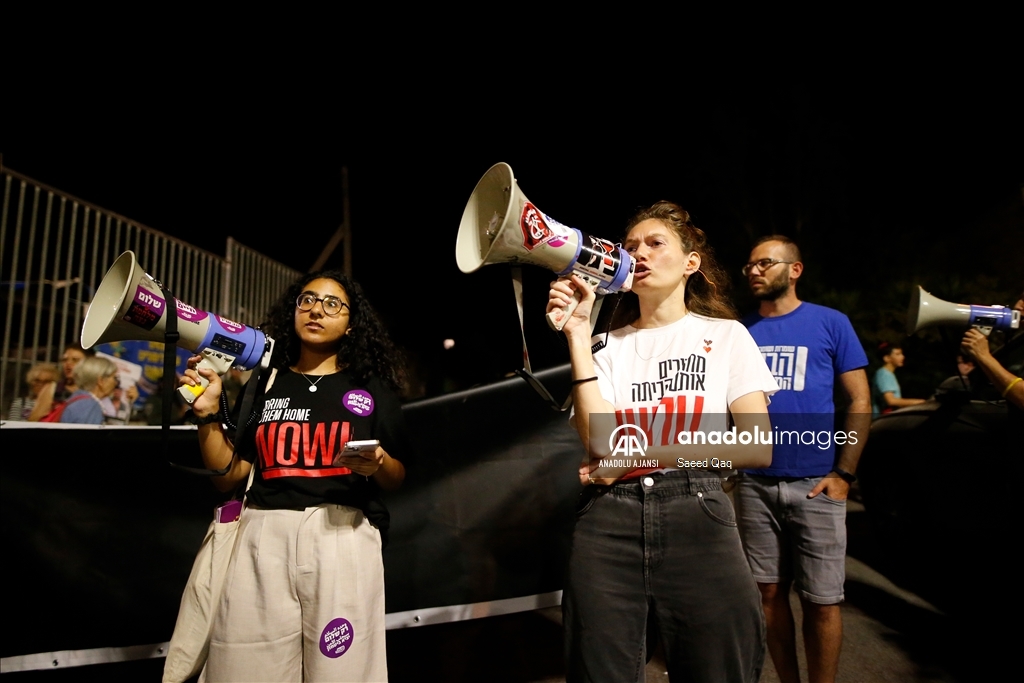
{"x":366,"y":351}
{"x":705,"y":289}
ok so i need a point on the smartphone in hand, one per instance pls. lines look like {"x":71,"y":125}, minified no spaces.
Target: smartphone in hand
{"x":357,"y":448}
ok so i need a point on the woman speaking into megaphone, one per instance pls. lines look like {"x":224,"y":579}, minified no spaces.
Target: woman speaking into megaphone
{"x":655,"y":540}
{"x":304,"y":594}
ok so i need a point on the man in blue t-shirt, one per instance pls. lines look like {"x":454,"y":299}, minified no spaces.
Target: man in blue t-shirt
{"x":792,"y":515}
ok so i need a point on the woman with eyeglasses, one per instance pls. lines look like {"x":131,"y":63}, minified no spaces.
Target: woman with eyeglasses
{"x":304,"y":595}
{"x":655,"y":552}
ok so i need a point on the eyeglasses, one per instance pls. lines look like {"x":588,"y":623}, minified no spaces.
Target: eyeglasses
{"x":332,"y":305}
{"x":762,"y":265}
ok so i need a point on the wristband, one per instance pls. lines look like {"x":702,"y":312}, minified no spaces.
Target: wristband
{"x":844,"y":475}
{"x":198,"y":421}
{"x":577,"y":382}
{"x":1010,"y":386}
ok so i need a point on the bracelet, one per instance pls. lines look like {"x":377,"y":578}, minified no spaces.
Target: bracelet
{"x":848,"y":477}
{"x":577,"y":382}
{"x":199,"y":421}
{"x":1010,"y":386}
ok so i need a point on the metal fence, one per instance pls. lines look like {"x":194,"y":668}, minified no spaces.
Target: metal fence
{"x":252,"y":282}
{"x":55,"y":249}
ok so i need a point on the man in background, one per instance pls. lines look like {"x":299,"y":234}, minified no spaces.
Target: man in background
{"x":886,"y":394}
{"x":792,"y":515}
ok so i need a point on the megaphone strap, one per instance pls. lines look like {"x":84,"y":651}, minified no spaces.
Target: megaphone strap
{"x":171,"y":337}
{"x":517,"y":286}
{"x":527,"y":372}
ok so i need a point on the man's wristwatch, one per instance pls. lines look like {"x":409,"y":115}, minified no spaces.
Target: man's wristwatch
{"x":209,"y":419}
{"x":844,"y":475}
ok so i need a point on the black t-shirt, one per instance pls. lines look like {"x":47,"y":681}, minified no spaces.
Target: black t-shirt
{"x":295,"y":434}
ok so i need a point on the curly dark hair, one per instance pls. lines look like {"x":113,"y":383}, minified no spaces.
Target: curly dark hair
{"x":366,"y":351}
{"x":705,"y":290}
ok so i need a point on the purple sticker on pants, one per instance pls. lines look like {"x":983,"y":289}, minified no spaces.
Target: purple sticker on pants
{"x":358,"y":401}
{"x":336,"y":638}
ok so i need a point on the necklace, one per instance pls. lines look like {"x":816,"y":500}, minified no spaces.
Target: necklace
{"x":312,"y":385}
{"x":656,"y":354}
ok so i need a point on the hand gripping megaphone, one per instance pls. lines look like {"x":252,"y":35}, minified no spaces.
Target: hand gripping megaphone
{"x":130,"y":304}
{"x":928,"y":311}
{"x":500,"y":225}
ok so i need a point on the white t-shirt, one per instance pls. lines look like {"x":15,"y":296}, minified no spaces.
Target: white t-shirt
{"x":680,"y":377}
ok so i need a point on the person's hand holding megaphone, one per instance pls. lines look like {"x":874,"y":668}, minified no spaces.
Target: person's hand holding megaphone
{"x":566,"y":291}
{"x":208,"y":402}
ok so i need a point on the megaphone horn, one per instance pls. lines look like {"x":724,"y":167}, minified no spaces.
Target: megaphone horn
{"x":129,"y":304}
{"x":500,"y":225}
{"x":926,"y":310}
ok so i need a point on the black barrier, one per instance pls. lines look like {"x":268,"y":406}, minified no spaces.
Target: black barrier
{"x":99,"y":533}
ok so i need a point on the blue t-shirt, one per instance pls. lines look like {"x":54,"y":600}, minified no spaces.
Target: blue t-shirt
{"x":82,"y":408}
{"x":883,"y":381}
{"x":805,"y":350}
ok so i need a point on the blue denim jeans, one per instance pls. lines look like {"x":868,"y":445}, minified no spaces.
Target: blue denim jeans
{"x":661,"y":553}
{"x":788,"y":536}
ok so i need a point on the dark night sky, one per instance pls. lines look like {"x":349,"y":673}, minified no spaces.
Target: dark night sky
{"x":862,"y":172}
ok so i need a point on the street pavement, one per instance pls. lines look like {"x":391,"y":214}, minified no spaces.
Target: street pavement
{"x":891,"y":635}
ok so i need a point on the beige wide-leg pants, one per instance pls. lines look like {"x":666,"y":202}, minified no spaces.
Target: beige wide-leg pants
{"x":303,"y":600}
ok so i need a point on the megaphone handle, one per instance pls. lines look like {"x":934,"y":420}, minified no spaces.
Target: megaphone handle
{"x":560,"y":316}
{"x":212,"y":360}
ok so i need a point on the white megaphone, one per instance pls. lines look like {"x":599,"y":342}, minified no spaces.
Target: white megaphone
{"x":500,"y":225}
{"x":928,"y":311}
{"x":129,"y":304}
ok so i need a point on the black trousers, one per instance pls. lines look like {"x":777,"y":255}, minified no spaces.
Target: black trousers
{"x":663,"y":548}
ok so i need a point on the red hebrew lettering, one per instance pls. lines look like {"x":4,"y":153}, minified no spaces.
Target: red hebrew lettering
{"x":641,"y":417}
{"x":668,"y":428}
{"x":698,"y":408}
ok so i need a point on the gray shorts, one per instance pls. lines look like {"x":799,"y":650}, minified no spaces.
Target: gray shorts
{"x":788,"y":536}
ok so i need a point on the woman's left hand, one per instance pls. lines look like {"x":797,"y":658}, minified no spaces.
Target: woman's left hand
{"x":365,"y":463}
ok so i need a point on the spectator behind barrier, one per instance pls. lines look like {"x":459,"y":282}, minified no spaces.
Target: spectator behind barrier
{"x":885,"y":388}
{"x":96,"y":378}
{"x":56,"y":393}
{"x":37,"y":378}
